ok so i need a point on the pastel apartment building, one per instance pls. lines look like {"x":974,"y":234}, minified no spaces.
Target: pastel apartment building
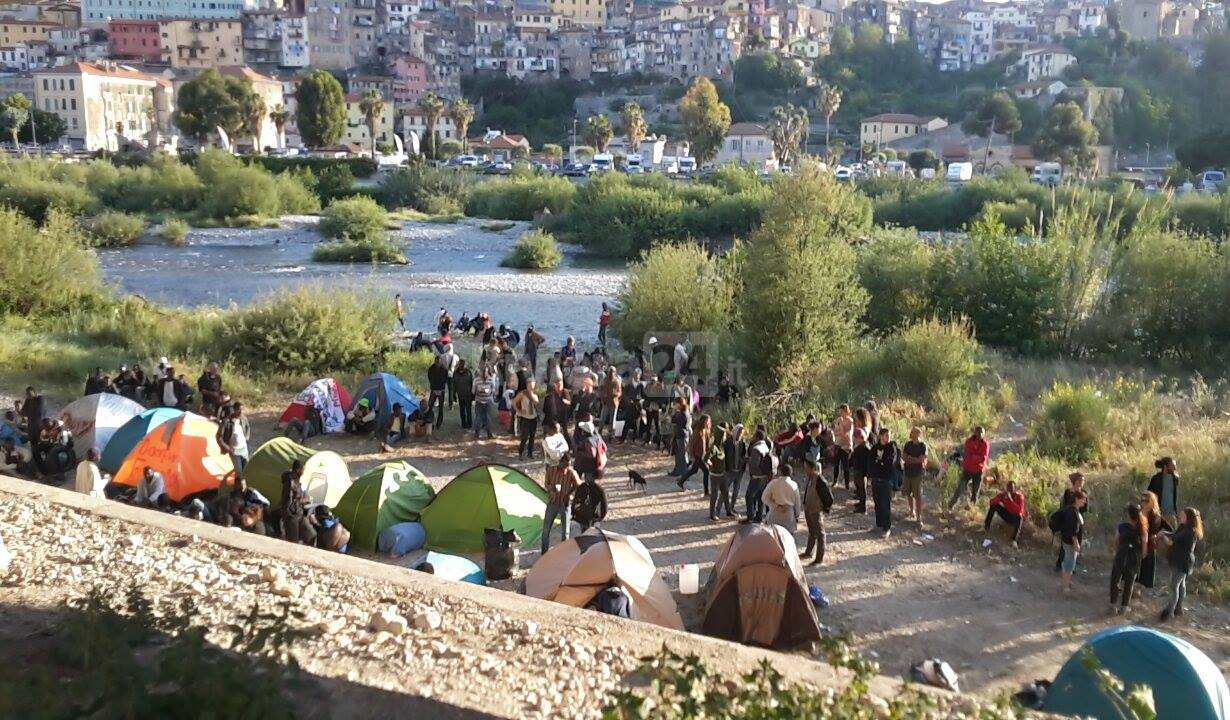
{"x":135,"y":40}
{"x":105,"y":104}
{"x":100,"y":12}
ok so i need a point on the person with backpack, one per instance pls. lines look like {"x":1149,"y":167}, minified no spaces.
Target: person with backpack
{"x":1131,"y":538}
{"x":817,"y":500}
{"x":719,"y":495}
{"x":589,"y":503}
{"x":698,"y":446}
{"x":1072,"y":523}
{"x":761,"y":464}
{"x":974,"y":455}
{"x":561,"y":481}
{"x":1182,"y":559}
{"x":885,"y":467}
{"x":1009,"y":505}
{"x":591,"y":450}
{"x":860,"y":467}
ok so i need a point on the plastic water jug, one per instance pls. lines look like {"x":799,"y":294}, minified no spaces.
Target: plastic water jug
{"x":689,"y":579}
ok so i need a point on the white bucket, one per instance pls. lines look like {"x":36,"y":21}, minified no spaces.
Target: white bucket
{"x":689,"y":579}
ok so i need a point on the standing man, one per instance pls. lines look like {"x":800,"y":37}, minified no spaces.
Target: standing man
{"x":526,"y":405}
{"x":914,"y":455}
{"x":484,"y":401}
{"x":843,"y":441}
{"x":562,"y":480}
{"x":761,"y":463}
{"x":533,"y":341}
{"x":90,"y":480}
{"x":556,"y":405}
{"x":437,"y":382}
{"x":604,"y":319}
{"x":401,"y":312}
{"x":610,"y":392}
{"x":463,"y":389}
{"x":210,"y":387}
{"x":885,"y":464}
{"x":233,"y":437}
{"x":681,"y":431}
{"x":817,"y":499}
{"x":655,"y":401}
{"x":974,"y":456}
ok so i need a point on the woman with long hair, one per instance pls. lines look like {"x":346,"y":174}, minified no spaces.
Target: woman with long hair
{"x":698,"y":450}
{"x":1182,"y":559}
{"x":1156,"y":524}
{"x":1131,"y":539}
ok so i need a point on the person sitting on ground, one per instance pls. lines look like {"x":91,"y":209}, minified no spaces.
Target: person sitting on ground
{"x":90,"y":480}
{"x":98,"y":383}
{"x":331,"y":535}
{"x":568,"y":353}
{"x":394,"y":430}
{"x":589,"y":503}
{"x":1009,"y":505}
{"x":1071,"y":527}
{"x":33,"y":410}
{"x":612,"y":600}
{"x":782,"y":501}
{"x":245,"y":508}
{"x":310,"y":424}
{"x":14,"y":459}
{"x":151,"y":489}
{"x":209,"y":385}
{"x":54,"y":453}
{"x":126,"y":383}
{"x":1131,"y":538}
{"x":293,"y":508}
{"x":169,"y":391}
{"x":1182,"y":559}
{"x":361,"y":419}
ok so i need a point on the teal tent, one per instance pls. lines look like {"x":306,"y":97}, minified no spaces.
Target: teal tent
{"x":130,"y":433}
{"x":1186,"y":684}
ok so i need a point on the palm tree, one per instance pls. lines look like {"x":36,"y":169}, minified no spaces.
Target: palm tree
{"x":830,"y":101}
{"x":372,"y":107}
{"x":634,"y":125}
{"x":279,"y":115}
{"x":254,"y":112}
{"x":432,"y":107}
{"x":598,"y":131}
{"x":787,"y":130}
{"x":461,"y":112}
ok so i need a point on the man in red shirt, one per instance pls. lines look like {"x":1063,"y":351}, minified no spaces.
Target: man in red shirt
{"x":604,"y":319}
{"x":1009,"y":505}
{"x":974,"y":457}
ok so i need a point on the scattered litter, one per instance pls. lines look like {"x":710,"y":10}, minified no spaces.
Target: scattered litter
{"x":928,"y":537}
{"x":918,"y":542}
{"x":1011,"y":579}
{"x":986,"y":543}
{"x":937,"y":673}
{"x":873,"y":653}
{"x":818,"y":598}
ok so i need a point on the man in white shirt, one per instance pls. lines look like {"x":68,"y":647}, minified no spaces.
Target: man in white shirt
{"x":91,"y":480}
{"x":233,"y":437}
{"x":152,"y":489}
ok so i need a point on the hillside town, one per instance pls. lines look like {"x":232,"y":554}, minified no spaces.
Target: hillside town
{"x":111,"y":71}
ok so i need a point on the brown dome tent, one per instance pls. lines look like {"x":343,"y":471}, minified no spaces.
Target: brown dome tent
{"x":757,"y":593}
{"x":576,"y":570}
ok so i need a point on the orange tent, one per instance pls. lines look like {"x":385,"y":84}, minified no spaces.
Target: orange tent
{"x":185,"y":450}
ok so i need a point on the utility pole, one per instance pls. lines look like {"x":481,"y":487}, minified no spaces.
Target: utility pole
{"x":572,"y":150}
{"x":33,"y":134}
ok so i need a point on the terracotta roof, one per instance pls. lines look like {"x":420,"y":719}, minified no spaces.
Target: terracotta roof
{"x":85,"y":68}
{"x":746,"y":128}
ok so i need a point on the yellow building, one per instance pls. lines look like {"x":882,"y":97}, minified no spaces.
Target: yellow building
{"x":356,"y":124}
{"x":581,"y":12}
{"x":105,"y":105}
{"x":25,"y":32}
{"x":201,"y":43}
{"x":887,"y":127}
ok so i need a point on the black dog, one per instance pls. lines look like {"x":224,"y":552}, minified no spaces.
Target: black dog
{"x":635,"y":480}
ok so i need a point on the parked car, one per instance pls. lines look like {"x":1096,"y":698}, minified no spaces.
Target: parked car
{"x":602,"y":162}
{"x":843,"y":173}
{"x":1212,"y":180}
{"x":1048,"y":174}
{"x":634,"y":169}
{"x":576,"y":170}
{"x":959,"y":172}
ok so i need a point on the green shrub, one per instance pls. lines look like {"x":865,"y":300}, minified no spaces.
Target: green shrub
{"x":534,"y":250}
{"x":333,"y":182}
{"x":441,"y":205}
{"x":164,"y":185}
{"x":115,"y":229}
{"x":413,"y":187}
{"x":520,"y":198}
{"x":357,"y":166}
{"x":893,"y":267}
{"x":45,"y":270}
{"x":295,"y":197}
{"x":1072,"y":422}
{"x":37,"y":199}
{"x":673,"y":287}
{"x":295,"y":331}
{"x":360,"y":251}
{"x":174,"y":231}
{"x":1018,"y":216}
{"x":929,"y":356}
{"x":354,"y":220}
{"x":240,"y":192}
{"x":1204,"y":214}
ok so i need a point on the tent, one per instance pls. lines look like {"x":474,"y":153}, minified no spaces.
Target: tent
{"x":1185,"y":682}
{"x":576,"y":570}
{"x":382,"y":390}
{"x":325,"y":476}
{"x":388,"y":494}
{"x":454,"y":567}
{"x":757,"y":593}
{"x":132,"y":432}
{"x":485,"y":496}
{"x":93,"y":419}
{"x":185,"y":450}
{"x":329,"y":397}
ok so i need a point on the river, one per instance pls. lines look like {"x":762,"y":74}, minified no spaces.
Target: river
{"x":454,"y":266}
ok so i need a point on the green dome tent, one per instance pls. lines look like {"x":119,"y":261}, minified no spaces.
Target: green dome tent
{"x":485,"y":496}
{"x":325,"y":476}
{"x":388,"y":494}
{"x":1185,"y":682}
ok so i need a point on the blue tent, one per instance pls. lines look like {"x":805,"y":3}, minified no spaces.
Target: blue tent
{"x":455,"y":567}
{"x":8,"y":431}
{"x":382,"y":390}
{"x":131,"y":433}
{"x":1186,"y":684}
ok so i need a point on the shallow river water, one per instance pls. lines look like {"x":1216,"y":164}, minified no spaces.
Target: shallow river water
{"x":453,"y":266}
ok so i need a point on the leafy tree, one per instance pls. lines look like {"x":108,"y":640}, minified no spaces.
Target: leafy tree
{"x":1209,"y":149}
{"x":996,"y":113}
{"x":761,"y":71}
{"x":48,"y":127}
{"x":787,"y":129}
{"x":634,"y":125}
{"x":254,"y":112}
{"x":1067,"y":136}
{"x":922,"y":159}
{"x":432,"y":108}
{"x":706,"y":119}
{"x":461,"y":112}
{"x":372,"y":107}
{"x":598,"y":132}
{"x":14,"y":114}
{"x":279,"y":115}
{"x":830,"y":101}
{"x":321,"y":110}
{"x":210,"y":101}
{"x":801,"y":301}
{"x":553,"y":152}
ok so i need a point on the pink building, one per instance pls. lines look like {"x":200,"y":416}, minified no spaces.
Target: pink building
{"x":134,"y":40}
{"x":409,"y":78}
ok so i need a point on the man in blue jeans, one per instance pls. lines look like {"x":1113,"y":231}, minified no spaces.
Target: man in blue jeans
{"x":484,"y":400}
{"x":561,"y":481}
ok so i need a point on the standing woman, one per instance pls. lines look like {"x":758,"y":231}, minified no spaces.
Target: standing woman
{"x":885,"y":464}
{"x":1156,"y":524}
{"x":1131,"y":539}
{"x":1182,"y":558}
{"x":698,"y":451}
{"x":1165,"y":485}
